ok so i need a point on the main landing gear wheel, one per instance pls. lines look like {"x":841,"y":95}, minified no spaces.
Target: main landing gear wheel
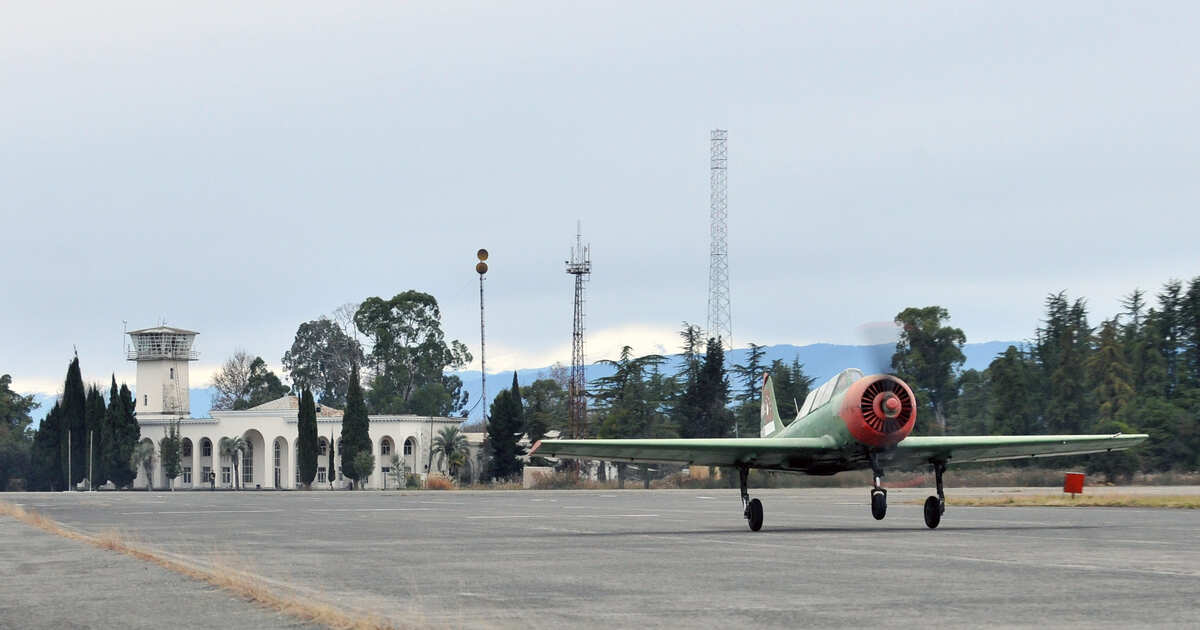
{"x":752,"y":509}
{"x":878,"y":504}
{"x":754,"y":515}
{"x":933,"y":512}
{"x":936,"y":506}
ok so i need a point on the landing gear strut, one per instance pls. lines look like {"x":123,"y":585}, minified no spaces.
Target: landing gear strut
{"x":936,"y":506}
{"x":878,"y":493}
{"x":752,"y":509}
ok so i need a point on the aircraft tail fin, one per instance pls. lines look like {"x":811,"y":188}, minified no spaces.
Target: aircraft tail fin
{"x":771,"y":424}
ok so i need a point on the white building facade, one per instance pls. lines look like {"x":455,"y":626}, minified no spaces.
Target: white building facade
{"x":403,"y":442}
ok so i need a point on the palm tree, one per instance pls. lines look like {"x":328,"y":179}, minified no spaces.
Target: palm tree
{"x":143,"y":457}
{"x":233,"y":447}
{"x":450,"y":446}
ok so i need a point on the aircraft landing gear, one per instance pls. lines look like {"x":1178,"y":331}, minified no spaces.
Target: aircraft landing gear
{"x":752,"y":509}
{"x":878,"y":493}
{"x":936,"y":506}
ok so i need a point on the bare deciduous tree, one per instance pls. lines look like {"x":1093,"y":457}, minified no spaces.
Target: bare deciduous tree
{"x":232,"y":380}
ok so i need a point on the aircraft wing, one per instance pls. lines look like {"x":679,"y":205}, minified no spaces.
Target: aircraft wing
{"x":986,"y":448}
{"x":756,"y":452}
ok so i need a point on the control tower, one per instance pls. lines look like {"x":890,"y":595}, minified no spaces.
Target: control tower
{"x":162,"y":356}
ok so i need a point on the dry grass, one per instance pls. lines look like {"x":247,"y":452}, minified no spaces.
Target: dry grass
{"x":437,"y":482}
{"x":1063,"y":500}
{"x":220,"y":574}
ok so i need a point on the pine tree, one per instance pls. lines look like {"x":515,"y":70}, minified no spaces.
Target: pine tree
{"x":1171,"y":322}
{"x":1190,"y":318}
{"x":74,"y":425}
{"x":1110,"y":374}
{"x":355,"y":426}
{"x":750,"y":376}
{"x":702,"y":410}
{"x":1062,"y":348}
{"x":306,"y":442}
{"x":1014,"y":405}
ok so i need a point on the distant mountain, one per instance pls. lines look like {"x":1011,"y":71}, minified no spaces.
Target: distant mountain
{"x":821,"y":360}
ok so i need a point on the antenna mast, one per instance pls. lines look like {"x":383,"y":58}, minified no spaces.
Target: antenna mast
{"x":719,"y":323}
{"x":580,"y":266}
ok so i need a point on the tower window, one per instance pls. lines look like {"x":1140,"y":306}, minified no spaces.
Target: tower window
{"x":147,"y":401}
{"x":172,"y":374}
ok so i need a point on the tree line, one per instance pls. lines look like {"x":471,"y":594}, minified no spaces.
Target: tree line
{"x":82,"y":437}
{"x":1138,"y":371}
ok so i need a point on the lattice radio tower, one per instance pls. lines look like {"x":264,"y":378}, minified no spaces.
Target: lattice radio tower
{"x":719,"y":322}
{"x":580,"y":266}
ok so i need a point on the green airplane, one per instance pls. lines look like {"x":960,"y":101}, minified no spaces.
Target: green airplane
{"x":852,"y":422}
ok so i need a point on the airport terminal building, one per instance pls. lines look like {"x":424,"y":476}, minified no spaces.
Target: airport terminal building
{"x":270,"y":430}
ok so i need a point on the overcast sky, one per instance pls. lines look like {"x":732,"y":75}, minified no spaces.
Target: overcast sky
{"x":239,"y":168}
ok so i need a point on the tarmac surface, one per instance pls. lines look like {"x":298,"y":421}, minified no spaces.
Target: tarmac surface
{"x":631,"y":558}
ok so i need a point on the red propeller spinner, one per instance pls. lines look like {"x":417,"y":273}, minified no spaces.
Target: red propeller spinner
{"x":879,"y":411}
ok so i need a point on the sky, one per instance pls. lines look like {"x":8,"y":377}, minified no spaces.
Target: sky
{"x":240,"y":168}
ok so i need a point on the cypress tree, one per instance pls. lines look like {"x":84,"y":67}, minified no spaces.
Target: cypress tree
{"x":518,"y":404}
{"x":74,"y":426}
{"x":106,"y":464}
{"x":169,"y":448}
{"x":332,"y":475}
{"x":93,"y":465}
{"x":126,"y":435}
{"x":46,"y":466}
{"x":355,"y":426}
{"x":306,"y":443}
{"x":503,"y":431}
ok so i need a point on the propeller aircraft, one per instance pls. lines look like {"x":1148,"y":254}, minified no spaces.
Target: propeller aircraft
{"x":852,"y":422}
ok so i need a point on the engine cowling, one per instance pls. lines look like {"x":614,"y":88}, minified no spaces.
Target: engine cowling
{"x":879,"y":410}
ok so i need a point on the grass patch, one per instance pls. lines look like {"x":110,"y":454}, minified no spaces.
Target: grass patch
{"x":1188,"y":502}
{"x":221,"y":574}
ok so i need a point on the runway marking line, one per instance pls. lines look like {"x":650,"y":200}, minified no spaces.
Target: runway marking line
{"x":572,"y":516}
{"x":200,"y":512}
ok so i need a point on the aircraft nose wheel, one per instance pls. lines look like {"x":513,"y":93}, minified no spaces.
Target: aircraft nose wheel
{"x":878,"y":504}
{"x":754,"y":515}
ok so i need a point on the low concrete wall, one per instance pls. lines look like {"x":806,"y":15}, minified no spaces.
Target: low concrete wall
{"x":531,"y":474}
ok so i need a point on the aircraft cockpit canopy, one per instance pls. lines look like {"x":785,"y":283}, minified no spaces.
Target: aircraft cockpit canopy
{"x":831,"y":388}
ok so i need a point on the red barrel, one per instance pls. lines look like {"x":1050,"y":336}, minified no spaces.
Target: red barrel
{"x":1073,"y":483}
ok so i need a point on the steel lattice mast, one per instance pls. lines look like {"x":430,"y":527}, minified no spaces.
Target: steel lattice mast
{"x":719,"y":324}
{"x":580,"y":266}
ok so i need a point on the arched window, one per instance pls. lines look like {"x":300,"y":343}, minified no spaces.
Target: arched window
{"x":385,"y":447}
{"x":409,"y":445}
{"x":277,"y":453}
{"x":323,"y":447}
{"x":206,"y":447}
{"x":248,"y":463}
{"x":186,"y":448}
